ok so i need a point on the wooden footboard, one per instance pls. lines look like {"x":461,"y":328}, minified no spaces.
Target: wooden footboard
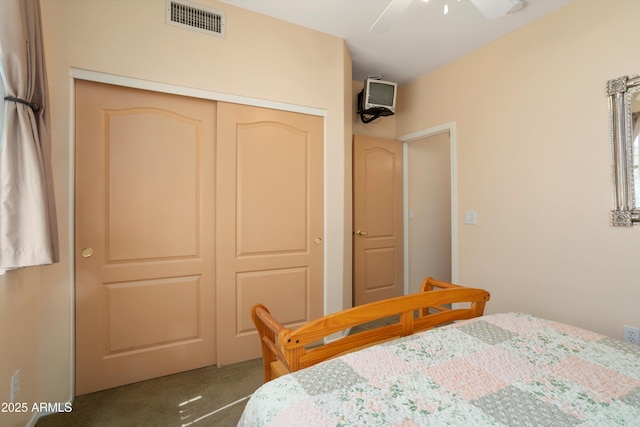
{"x":285,"y":350}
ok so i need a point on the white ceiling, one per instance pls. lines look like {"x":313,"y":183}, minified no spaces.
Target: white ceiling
{"x":420,"y":40}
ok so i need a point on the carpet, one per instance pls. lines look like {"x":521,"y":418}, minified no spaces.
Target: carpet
{"x":203,"y":397}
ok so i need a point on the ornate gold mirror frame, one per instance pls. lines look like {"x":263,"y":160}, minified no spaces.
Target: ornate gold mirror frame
{"x":624,"y":120}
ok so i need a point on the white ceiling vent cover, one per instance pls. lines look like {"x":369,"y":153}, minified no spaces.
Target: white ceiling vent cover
{"x":195,"y":17}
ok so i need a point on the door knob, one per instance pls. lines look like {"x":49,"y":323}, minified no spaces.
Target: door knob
{"x":317,"y":240}
{"x":361,"y":233}
{"x":86,"y":252}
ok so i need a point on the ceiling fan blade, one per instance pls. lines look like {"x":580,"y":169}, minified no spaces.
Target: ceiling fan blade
{"x":389,"y":15}
{"x":492,"y":9}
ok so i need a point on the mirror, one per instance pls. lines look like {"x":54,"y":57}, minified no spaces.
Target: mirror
{"x":624,"y":121}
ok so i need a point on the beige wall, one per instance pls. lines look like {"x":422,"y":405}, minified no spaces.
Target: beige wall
{"x":260,"y":58}
{"x":19,"y":323}
{"x":533,"y":161}
{"x":349,"y":114}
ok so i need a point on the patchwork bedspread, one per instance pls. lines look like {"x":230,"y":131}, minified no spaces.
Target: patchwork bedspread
{"x":505,"y":369}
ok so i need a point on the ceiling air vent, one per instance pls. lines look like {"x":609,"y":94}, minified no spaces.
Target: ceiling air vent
{"x":195,"y":17}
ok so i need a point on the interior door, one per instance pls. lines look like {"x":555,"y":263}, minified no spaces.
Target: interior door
{"x":270,"y":222}
{"x":378,"y":267}
{"x":144,"y":235}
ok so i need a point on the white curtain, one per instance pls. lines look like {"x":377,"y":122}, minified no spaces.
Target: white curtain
{"x":28,"y":226}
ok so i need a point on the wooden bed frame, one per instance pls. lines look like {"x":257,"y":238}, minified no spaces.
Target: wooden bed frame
{"x":285,"y":350}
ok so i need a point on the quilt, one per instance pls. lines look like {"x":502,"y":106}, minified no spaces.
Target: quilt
{"x":509,"y":369}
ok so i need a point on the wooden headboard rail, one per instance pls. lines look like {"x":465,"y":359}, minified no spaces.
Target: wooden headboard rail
{"x":285,"y":350}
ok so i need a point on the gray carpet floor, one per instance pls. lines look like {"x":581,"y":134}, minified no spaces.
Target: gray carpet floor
{"x":200,"y":398}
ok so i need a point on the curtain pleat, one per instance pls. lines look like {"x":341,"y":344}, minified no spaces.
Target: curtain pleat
{"x":28,"y":225}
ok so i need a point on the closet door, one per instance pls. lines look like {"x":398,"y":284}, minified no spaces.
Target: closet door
{"x":270,"y":230}
{"x":144,"y":235}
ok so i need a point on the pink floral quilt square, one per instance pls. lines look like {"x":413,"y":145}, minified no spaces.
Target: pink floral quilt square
{"x":503,"y":364}
{"x":606,"y":382}
{"x":465,"y":379}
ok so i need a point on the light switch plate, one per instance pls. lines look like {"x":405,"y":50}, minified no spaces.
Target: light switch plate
{"x":470,"y":217}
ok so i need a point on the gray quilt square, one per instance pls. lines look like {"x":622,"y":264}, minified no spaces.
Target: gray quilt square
{"x":621,"y":345}
{"x":632,"y":398}
{"x":487,"y":332}
{"x":514,"y":407}
{"x":327,"y":377}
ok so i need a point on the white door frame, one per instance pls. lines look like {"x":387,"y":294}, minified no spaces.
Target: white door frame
{"x":446,"y":127}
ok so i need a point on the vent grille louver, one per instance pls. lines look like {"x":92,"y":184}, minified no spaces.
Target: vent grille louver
{"x":195,"y":17}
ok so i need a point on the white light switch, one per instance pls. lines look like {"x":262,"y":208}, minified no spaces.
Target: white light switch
{"x":470,"y":217}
